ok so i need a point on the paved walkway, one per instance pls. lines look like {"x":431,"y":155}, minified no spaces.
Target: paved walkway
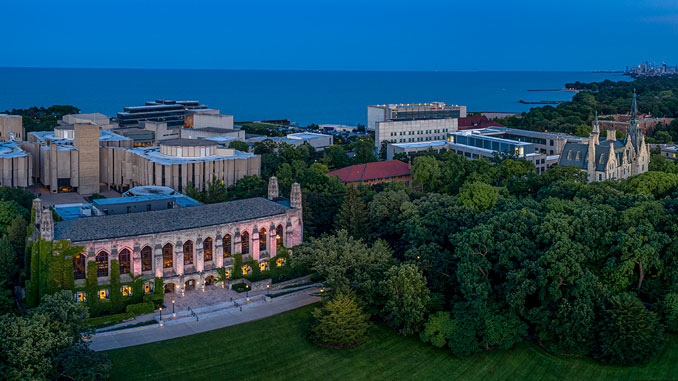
{"x":151,"y":333}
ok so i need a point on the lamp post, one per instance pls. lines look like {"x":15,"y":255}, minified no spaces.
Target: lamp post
{"x":247,"y":290}
{"x":268,"y":290}
{"x":173,"y":314}
{"x":161,"y":315}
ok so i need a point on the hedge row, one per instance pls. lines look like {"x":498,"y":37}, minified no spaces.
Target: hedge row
{"x":141,"y":308}
{"x":109,"y":319}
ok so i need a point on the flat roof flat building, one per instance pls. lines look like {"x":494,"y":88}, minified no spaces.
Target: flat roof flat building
{"x":170,"y":112}
{"x":408,"y":111}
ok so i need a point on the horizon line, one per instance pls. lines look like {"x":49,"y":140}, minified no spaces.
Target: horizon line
{"x":313,"y":70}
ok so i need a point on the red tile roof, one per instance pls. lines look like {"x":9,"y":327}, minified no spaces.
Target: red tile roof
{"x":472,"y":122}
{"x":372,"y":171}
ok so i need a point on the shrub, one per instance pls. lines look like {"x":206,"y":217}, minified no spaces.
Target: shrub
{"x":141,"y":308}
{"x":340,"y":323}
{"x":628,"y":333}
{"x":157,"y":299}
{"x":239,"y":287}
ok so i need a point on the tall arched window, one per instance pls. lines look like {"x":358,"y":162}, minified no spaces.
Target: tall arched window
{"x":207,"y":249}
{"x":167,"y":256}
{"x":146,"y":259}
{"x":245,"y":242}
{"x":227,"y":245}
{"x":124,"y":260}
{"x":262,"y":239}
{"x":188,"y":252}
{"x":102,"y":263}
{"x":79,"y":262}
{"x":278,"y":236}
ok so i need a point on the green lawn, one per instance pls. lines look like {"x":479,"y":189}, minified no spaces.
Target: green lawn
{"x":277,"y":348}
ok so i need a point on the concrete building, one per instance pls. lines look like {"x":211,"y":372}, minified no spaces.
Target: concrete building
{"x":15,"y":166}
{"x":175,"y":163}
{"x":67,"y":159}
{"x":170,"y":112}
{"x":186,"y":247}
{"x":610,"y":159}
{"x":670,"y":152}
{"x":315,"y":140}
{"x":409,"y":111}
{"x":211,"y":132}
{"x":488,"y":143}
{"x":201,"y":118}
{"x":412,"y":131}
{"x":100,"y":120}
{"x":11,"y":128}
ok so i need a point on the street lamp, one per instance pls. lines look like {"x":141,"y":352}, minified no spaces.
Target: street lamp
{"x":173,"y":314}
{"x":247,"y":290}
{"x":160,"y":314}
{"x":268,"y":290}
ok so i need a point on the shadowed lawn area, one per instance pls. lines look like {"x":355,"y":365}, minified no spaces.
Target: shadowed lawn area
{"x":277,"y":348}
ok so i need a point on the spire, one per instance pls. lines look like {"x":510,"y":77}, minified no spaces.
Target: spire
{"x":595,"y":134}
{"x":634,"y":131}
{"x":295,"y":196}
{"x":634,"y":107}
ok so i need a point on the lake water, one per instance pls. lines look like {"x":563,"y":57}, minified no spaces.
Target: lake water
{"x":301,"y":96}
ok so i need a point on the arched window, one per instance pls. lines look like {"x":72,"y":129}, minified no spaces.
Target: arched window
{"x":188,"y":252}
{"x":227,"y":245}
{"x":124,"y":259}
{"x":262,"y":239}
{"x":79,"y":262}
{"x":207,"y":249}
{"x":245,"y":242}
{"x":146,"y":259}
{"x":102,"y":264}
{"x":278,"y":236}
{"x":167,"y":256}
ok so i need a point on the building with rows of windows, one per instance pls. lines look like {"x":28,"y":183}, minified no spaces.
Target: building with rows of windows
{"x":183,"y":246}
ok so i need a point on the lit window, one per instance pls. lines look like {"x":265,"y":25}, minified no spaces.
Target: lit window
{"x":126,"y":290}
{"x":148,"y":287}
{"x":280,"y":262}
{"x":103,"y":294}
{"x":246,"y":270}
{"x":80,"y":296}
{"x":263,"y":266}
{"x":227,"y":274}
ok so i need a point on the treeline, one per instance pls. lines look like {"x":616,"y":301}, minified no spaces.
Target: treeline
{"x":656,"y":95}
{"x":479,"y":257}
{"x":41,"y":118}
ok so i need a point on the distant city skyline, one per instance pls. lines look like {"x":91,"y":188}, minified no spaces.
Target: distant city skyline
{"x":431,"y":35}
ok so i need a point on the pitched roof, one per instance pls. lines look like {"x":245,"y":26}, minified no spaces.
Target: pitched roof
{"x":135,"y":224}
{"x":473,"y":122}
{"x":372,"y":171}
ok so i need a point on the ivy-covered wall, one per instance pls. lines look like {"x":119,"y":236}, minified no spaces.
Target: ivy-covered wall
{"x":49,"y":269}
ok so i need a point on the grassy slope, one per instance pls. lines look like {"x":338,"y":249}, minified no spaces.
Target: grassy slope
{"x":276,"y":348}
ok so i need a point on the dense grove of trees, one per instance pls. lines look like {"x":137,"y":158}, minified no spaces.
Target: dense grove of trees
{"x":656,"y":95}
{"x":485,"y":256}
{"x":42,"y":119}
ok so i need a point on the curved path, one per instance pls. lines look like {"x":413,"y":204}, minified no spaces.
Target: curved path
{"x":151,"y":333}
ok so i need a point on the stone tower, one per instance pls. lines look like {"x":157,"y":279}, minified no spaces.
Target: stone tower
{"x":295,"y":196}
{"x":37,"y":210}
{"x":86,"y":141}
{"x":47,"y":225}
{"x":273,"y":188}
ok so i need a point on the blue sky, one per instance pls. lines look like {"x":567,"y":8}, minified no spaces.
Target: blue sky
{"x":339,"y":35}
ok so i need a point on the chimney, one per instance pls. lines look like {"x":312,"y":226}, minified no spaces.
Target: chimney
{"x":47,"y":225}
{"x":612,"y":134}
{"x":273,"y":188}
{"x":37,"y":210}
{"x":295,"y":196}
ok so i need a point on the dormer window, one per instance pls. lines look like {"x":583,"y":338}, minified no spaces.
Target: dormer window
{"x":601,"y":159}
{"x":578,"y":156}
{"x":569,"y":155}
